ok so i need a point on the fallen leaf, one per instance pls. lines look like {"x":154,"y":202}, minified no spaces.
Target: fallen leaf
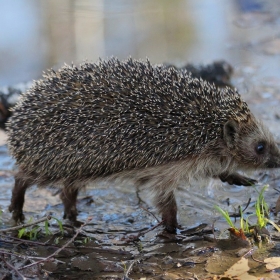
{"x":240,"y":269}
{"x":272,"y":263}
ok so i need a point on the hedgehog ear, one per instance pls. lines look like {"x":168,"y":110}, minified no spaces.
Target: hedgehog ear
{"x":230,"y":130}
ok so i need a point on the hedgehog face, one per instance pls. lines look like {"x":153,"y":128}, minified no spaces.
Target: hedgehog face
{"x":251,"y":145}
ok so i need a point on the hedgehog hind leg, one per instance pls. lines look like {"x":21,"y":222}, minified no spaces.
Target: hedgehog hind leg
{"x":167,"y":206}
{"x":18,"y":195}
{"x":69,"y":198}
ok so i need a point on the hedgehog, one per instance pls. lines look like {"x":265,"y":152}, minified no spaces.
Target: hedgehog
{"x":130,"y":119}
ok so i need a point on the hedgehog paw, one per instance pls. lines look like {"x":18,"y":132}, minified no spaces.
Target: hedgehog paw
{"x":71,"y":214}
{"x":237,"y":179}
{"x":18,"y":215}
{"x":170,"y":228}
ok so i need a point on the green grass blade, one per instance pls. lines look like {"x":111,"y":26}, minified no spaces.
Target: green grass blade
{"x":226,"y":216}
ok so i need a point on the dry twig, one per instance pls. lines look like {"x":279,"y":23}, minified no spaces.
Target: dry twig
{"x":26,"y":225}
{"x":145,"y":209}
{"x":12,"y":267}
{"x":129,"y":269}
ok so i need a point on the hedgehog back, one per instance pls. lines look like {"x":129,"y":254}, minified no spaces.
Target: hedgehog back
{"x":99,"y":119}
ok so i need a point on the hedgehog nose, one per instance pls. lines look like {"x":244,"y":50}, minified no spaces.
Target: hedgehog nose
{"x":273,"y":164}
{"x":274,"y":159}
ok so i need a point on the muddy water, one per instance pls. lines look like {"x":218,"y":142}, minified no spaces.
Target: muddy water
{"x":248,"y":37}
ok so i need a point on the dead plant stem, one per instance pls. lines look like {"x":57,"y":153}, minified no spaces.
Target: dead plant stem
{"x":26,"y":225}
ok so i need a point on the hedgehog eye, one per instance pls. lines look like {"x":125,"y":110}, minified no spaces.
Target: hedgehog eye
{"x":260,"y":148}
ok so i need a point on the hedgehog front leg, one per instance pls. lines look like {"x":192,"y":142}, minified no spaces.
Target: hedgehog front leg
{"x":17,"y":200}
{"x":237,"y":179}
{"x":69,"y":199}
{"x":167,"y":206}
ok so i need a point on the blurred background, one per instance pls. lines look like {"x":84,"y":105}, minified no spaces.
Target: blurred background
{"x":40,"y":34}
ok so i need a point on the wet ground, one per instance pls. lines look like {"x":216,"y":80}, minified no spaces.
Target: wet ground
{"x":123,"y":239}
